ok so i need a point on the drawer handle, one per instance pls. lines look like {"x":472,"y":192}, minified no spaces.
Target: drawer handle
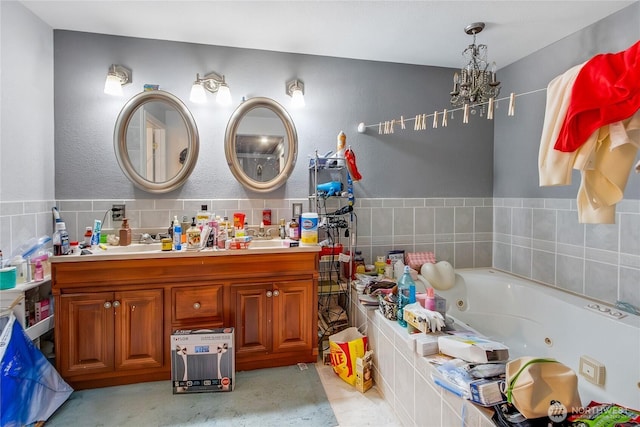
{"x":116,"y":304}
{"x":107,"y":304}
{"x":196,"y":305}
{"x":276,"y":293}
{"x":269,"y":293}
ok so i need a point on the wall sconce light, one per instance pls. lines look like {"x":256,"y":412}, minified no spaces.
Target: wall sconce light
{"x":117,"y":77}
{"x":295,"y":89}
{"x":212,"y":82}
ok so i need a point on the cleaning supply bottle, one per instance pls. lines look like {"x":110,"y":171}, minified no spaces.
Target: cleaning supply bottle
{"x":406,"y":294}
{"x":193,"y":236}
{"x":125,"y":233}
{"x":430,"y":301}
{"x":177,"y":234}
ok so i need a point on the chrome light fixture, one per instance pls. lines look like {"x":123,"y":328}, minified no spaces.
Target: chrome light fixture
{"x":213,"y":82}
{"x":117,"y":77}
{"x":475,"y":84}
{"x":295,"y":89}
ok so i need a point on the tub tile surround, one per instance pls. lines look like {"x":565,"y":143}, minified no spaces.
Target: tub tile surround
{"x":404,"y":378}
{"x":539,"y":239}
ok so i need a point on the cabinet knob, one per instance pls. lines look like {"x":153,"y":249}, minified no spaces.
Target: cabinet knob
{"x":196,"y":305}
{"x":269,"y":294}
{"x":116,"y":304}
{"x":276,"y":293}
{"x":107,"y":304}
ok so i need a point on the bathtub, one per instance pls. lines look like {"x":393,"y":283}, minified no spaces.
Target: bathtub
{"x":533,"y":319}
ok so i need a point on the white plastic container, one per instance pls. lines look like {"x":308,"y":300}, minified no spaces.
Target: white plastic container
{"x":309,"y":229}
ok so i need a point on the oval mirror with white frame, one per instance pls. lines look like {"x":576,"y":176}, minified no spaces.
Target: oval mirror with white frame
{"x":261,"y":144}
{"x":156,"y":141}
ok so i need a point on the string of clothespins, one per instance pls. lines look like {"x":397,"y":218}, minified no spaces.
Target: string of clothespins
{"x":440,"y":117}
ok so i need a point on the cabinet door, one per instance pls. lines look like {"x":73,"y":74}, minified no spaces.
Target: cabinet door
{"x":252,"y":318}
{"x":138,"y":329}
{"x":87,"y":334}
{"x":293,"y":322}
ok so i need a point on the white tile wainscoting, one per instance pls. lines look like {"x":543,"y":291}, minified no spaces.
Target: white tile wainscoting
{"x":403,"y":377}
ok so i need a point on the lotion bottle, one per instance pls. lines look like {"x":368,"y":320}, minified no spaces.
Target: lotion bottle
{"x":177,"y":234}
{"x":430,"y":301}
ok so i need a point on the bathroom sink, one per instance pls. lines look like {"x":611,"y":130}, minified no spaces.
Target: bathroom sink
{"x":271,"y":243}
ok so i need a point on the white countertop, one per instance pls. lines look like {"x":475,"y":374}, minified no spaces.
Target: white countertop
{"x":146,"y":251}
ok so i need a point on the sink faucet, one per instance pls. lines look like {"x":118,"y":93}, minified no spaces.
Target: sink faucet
{"x":147,"y":238}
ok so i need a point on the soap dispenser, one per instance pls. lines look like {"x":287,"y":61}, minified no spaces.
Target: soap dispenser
{"x":125,"y":233}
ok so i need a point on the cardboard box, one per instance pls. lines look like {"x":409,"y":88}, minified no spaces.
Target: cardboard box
{"x":473,"y":348}
{"x":364,"y":372}
{"x":203,"y":360}
{"x":42,"y":310}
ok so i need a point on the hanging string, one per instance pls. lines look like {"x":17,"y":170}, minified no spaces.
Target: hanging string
{"x":420,"y":120}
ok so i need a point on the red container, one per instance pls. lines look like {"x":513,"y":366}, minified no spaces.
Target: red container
{"x":331,"y":250}
{"x":266,"y":216}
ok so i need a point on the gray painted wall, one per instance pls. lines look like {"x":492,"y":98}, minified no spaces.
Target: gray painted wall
{"x":340,"y":93}
{"x":517,"y":139}
{"x":26,"y":126}
{"x":26,"y":103}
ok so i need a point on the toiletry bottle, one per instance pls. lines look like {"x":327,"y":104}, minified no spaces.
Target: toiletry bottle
{"x":95,"y":236}
{"x":125,"y":233}
{"x":380,"y":264}
{"x":184,"y":225}
{"x":293,"y":229}
{"x":87,"y":236}
{"x":213,"y":234}
{"x":222,"y":238}
{"x":177,"y":234}
{"x":193,"y":236}
{"x":388,"y":269}
{"x":283,"y":229}
{"x":406,"y":294}
{"x":358,"y":264}
{"x":38,"y":275}
{"x":61,"y":244}
{"x":170,"y":231}
{"x":430,"y":301}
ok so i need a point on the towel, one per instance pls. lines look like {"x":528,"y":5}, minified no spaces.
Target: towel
{"x":606,"y":90}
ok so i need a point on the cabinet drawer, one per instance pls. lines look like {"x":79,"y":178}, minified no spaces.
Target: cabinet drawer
{"x":197,"y":303}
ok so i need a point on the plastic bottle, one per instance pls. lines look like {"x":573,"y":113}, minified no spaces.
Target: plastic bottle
{"x":87,"y":236}
{"x":202,"y":217}
{"x":184,"y":226}
{"x":380,"y":265}
{"x":388,"y":269}
{"x":282,"y":229}
{"x":193,"y":236}
{"x":358,"y":263}
{"x":38,"y":274}
{"x":430,"y":301}
{"x":125,"y":233}
{"x":177,"y":234}
{"x":61,"y":244}
{"x":406,"y":294}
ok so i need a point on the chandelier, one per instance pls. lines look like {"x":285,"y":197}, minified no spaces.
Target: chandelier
{"x":475,"y":84}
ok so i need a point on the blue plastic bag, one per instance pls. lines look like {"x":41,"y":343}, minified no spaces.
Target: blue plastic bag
{"x":30,"y":388}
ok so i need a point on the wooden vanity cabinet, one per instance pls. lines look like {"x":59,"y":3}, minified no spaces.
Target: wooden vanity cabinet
{"x":114,"y":317}
{"x":111,"y":331}
{"x":272,"y":323}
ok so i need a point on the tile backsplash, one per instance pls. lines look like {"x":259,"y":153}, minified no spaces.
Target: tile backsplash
{"x":540,"y":239}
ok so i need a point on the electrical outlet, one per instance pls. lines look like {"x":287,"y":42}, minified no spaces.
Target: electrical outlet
{"x":117,"y":212}
{"x":592,"y":370}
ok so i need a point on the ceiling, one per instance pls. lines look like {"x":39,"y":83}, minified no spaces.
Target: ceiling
{"x":410,"y":32}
